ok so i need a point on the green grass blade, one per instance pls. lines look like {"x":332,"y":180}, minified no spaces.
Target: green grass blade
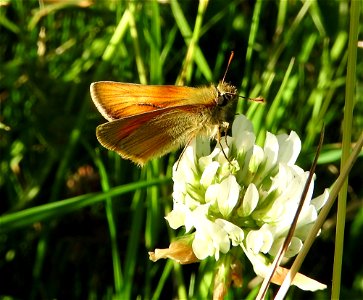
{"x":48,"y":211}
{"x":346,"y":145}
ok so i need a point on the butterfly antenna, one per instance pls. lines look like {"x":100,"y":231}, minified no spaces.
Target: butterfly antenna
{"x":258,"y":99}
{"x":229,"y":62}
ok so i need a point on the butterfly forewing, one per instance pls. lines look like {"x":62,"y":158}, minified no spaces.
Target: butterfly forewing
{"x":117,"y":100}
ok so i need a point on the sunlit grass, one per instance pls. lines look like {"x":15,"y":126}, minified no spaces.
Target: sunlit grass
{"x":80,"y":219}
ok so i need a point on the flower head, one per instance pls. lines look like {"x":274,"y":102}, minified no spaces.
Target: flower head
{"x":248,"y":200}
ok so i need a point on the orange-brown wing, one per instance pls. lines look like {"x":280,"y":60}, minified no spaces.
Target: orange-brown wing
{"x":117,"y":100}
{"x":151,"y":134}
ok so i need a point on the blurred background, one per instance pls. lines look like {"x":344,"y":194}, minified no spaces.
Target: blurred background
{"x":76,"y":220}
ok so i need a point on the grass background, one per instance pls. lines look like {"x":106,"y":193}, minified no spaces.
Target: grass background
{"x":76,"y":220}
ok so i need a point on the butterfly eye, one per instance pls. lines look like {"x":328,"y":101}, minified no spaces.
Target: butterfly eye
{"x":224,"y":98}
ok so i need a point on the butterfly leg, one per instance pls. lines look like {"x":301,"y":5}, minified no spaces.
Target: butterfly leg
{"x":222,"y":128}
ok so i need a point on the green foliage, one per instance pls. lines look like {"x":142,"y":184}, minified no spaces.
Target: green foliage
{"x":76,"y":220}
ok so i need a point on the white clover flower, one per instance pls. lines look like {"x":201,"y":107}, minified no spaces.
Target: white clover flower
{"x":256,"y":190}
{"x":247,"y":201}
